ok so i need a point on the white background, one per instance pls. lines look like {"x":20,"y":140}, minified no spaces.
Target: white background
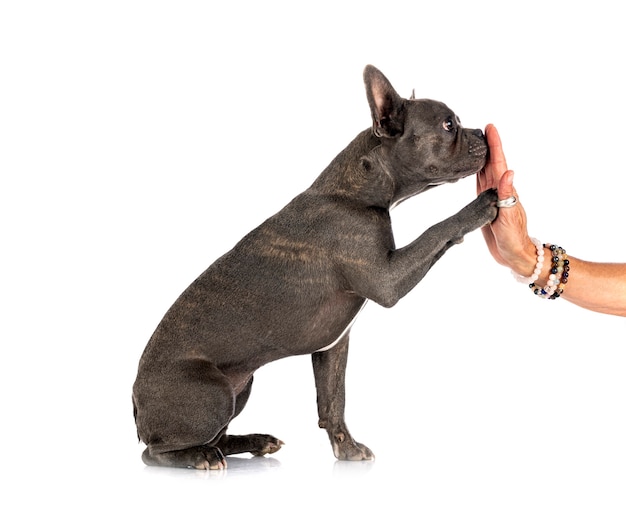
{"x":140,"y":140}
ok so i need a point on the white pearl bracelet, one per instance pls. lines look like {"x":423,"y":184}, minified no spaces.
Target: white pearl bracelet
{"x":533,"y":277}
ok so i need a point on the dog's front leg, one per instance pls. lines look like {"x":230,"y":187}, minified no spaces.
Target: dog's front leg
{"x":329,"y":368}
{"x":386,"y":275}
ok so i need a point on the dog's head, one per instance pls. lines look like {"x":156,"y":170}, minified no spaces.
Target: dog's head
{"x":422,"y":140}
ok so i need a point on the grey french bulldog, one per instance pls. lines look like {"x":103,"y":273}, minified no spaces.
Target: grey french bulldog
{"x":295,"y":285}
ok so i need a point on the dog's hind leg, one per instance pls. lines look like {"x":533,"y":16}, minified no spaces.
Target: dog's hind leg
{"x":256,"y":443}
{"x":182,"y":428}
{"x":329,"y":367}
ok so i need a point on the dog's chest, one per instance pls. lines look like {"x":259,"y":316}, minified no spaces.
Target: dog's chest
{"x":344,"y":332}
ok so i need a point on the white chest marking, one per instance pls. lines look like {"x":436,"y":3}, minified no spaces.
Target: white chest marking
{"x":346,"y":330}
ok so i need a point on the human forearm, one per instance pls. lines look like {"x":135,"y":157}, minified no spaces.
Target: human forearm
{"x":597,"y":286}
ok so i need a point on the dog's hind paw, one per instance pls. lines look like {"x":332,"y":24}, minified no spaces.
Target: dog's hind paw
{"x":258,"y":444}
{"x":199,"y":457}
{"x":214,"y":463}
{"x":267,"y":445}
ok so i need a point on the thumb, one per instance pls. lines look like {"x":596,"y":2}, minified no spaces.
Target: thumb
{"x":505,"y":186}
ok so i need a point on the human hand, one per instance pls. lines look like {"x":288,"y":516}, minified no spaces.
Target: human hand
{"x":507,"y":236}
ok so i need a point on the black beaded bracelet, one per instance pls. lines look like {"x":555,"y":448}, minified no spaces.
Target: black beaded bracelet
{"x":559,"y":275}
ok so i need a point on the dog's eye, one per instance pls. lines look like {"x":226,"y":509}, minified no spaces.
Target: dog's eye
{"x":448,"y":125}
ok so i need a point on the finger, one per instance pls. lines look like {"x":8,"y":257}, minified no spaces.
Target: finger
{"x":480,"y":182}
{"x":497,"y":160}
{"x":505,"y":186}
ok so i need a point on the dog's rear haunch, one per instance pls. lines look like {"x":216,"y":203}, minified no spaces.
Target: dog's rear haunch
{"x":295,"y":284}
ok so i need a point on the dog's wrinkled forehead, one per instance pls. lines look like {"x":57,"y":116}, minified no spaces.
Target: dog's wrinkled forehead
{"x":430,"y":112}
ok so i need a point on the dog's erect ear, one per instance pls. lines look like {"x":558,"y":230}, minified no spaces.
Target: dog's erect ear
{"x":386,"y":105}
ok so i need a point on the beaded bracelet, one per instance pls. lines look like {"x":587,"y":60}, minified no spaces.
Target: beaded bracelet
{"x":538,"y":267}
{"x":559,"y":275}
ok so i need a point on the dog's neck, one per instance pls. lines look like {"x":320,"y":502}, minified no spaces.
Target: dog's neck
{"x":359,"y":173}
{"x":353,"y":174}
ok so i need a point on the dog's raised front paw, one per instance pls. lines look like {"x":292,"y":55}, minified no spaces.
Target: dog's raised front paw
{"x":487,"y":200}
{"x":481,"y":211}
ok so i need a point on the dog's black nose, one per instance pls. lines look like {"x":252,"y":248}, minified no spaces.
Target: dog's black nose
{"x":478,"y":132}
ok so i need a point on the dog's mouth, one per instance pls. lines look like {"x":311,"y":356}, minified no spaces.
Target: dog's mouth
{"x":455,"y":176}
{"x":478,"y":148}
